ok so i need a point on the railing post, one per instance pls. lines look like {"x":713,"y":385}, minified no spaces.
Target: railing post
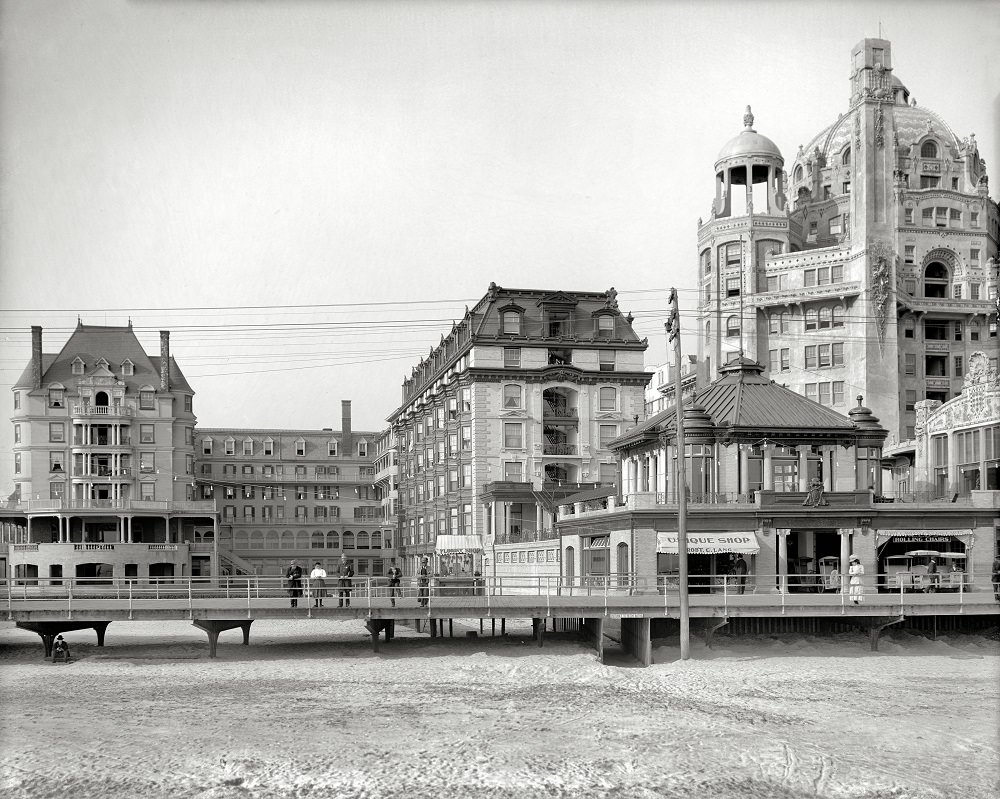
{"x":248,"y":597}
{"x":130,"y":600}
{"x":69,"y":601}
{"x":548,"y":595}
{"x":606,"y":581}
{"x":961,"y":595}
{"x":368,"y":590}
{"x":900,"y":580}
{"x":725,"y":594}
{"x":10,"y":598}
{"x":190,"y":599}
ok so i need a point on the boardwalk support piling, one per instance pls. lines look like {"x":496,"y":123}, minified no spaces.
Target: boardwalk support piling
{"x":376,"y":626}
{"x":215,"y":626}
{"x":877,"y":624}
{"x":538,"y":630}
{"x":709,"y":625}
{"x":48,"y":630}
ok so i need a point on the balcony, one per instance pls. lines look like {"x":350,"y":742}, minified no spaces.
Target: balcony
{"x":103,"y":471}
{"x":560,"y":449}
{"x":62,"y":505}
{"x":556,"y":410}
{"x":82,"y":411}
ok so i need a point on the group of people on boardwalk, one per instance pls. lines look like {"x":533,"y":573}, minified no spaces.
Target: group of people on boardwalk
{"x":317,"y":583}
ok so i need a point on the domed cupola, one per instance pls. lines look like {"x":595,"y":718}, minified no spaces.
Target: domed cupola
{"x":749,"y":160}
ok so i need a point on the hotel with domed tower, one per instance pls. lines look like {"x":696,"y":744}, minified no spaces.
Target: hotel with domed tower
{"x":866,"y":282}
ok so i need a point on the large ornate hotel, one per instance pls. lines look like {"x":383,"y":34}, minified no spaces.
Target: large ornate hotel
{"x":514,"y":410}
{"x":104,"y":464}
{"x":869,"y":267}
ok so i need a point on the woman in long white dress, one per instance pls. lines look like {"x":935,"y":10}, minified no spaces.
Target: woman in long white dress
{"x":856,"y":571}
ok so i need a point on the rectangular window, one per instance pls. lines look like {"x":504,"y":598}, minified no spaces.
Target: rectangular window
{"x":973,"y":291}
{"x":813,"y":227}
{"x":811,"y":391}
{"x":838,"y":354}
{"x":847,"y":187}
{"x":775,"y":282}
{"x":466,"y":399}
{"x":608,"y":399}
{"x":607,"y":360}
{"x":732,"y":287}
{"x":147,"y":491}
{"x":910,"y":400}
{"x":146,"y":401}
{"x":809,"y":278}
{"x":230,"y":446}
{"x":941,"y":217}
{"x":206,"y":446}
{"x":909,"y":253}
{"x":189,"y":464}
{"x":957,"y":291}
{"x":910,"y":286}
{"x":248,"y":447}
{"x":929,"y":182}
{"x":958,"y":366}
{"x":512,"y":357}
{"x":511,"y":323}
{"x":300,"y":448}
{"x":249,"y":492}
{"x":512,"y":396}
{"x":57,"y":432}
{"x":956,"y":217}
{"x":248,"y":514}
{"x":606,"y":434}
{"x":17,"y":434}
{"x":466,"y":475}
{"x":836,"y":227}
{"x":56,"y":398}
{"x":772,"y":360}
{"x":512,"y":472}
{"x":55,"y":462}
{"x":908,"y":216}
{"x":927,"y":214}
{"x":824,"y":355}
{"x":810,"y":357}
{"x":605,"y":326}
{"x":836,"y":274}
{"x":974,"y":218}
{"x":188,"y":404}
{"x":734,"y":254}
{"x":785,"y":359}
{"x":363,"y":449}
{"x":513,"y":435}
{"x":824,"y":394}
{"x":838,"y":392}
{"x":910,"y":364}
{"x":146,"y":434}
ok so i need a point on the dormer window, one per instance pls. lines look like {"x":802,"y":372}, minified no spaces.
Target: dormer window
{"x":606,"y":325}
{"x":558,"y":323}
{"x":206,"y":445}
{"x":248,"y":446}
{"x":102,"y":363}
{"x":77,"y":366}
{"x":57,"y":397}
{"x":230,"y":446}
{"x":928,"y":150}
{"x":268,"y":446}
{"x":331,"y":449}
{"x":128,"y":368}
{"x":300,"y":447}
{"x":511,"y":323}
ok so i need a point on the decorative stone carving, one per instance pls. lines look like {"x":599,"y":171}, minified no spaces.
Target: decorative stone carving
{"x":748,"y":118}
{"x":881,"y":259}
{"x":879,"y":131}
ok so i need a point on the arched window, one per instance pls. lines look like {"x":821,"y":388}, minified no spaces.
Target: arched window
{"x":732,"y":326}
{"x":376,"y":540}
{"x":825,"y":317}
{"x":928,"y":150}
{"x":317,"y":540}
{"x":256,"y":540}
{"x":812,"y":319}
{"x":936,"y":280}
{"x":333,"y":540}
{"x":348,"y":539}
{"x":362,"y":540}
{"x":241,"y":540}
{"x":512,"y":396}
{"x":706,"y":262}
{"x":797,"y":175}
{"x":845,"y":159}
{"x":271,"y":539}
{"x":302,"y":540}
{"x":838,"y":316}
{"x":287,"y":539}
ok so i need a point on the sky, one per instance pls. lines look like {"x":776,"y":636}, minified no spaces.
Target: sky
{"x":307,"y":194}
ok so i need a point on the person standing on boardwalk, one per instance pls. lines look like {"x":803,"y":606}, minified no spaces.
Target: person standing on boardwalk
{"x":423,"y":581}
{"x":294,"y":576}
{"x":856,"y":572}
{"x":933,"y":579}
{"x":345,"y":581}
{"x":317,"y":582}
{"x":740,"y":569}
{"x":395,"y":573}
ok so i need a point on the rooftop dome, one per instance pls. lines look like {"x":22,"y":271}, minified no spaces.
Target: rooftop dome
{"x":748,"y":142}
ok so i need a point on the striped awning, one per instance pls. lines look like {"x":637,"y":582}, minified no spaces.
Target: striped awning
{"x":708,"y":543}
{"x":458,"y":543}
{"x":966,"y":536}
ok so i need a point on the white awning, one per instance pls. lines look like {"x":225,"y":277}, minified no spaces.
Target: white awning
{"x":706,"y":543}
{"x":966,"y":536}
{"x":458,"y":543}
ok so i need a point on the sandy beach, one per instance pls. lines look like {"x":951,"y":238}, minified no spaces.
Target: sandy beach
{"x":309,"y":710}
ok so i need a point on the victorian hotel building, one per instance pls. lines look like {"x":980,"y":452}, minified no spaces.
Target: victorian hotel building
{"x":104,"y":465}
{"x":513,"y":411}
{"x":869,"y":277}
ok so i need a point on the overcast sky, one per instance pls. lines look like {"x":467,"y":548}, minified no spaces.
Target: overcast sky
{"x":308,"y":193}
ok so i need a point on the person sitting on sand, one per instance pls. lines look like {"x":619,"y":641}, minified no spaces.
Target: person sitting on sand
{"x":60,"y":649}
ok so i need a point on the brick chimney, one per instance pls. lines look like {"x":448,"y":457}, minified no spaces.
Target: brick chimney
{"x":36,"y":356}
{"x":347,"y":441}
{"x":164,"y":360}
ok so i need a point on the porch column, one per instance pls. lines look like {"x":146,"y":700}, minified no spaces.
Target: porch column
{"x":845,"y":553}
{"x":782,"y":536}
{"x":27,"y":532}
{"x":539,"y":517}
{"x":744,"y":476}
{"x":803,"y":469}
{"x":166,"y":526}
{"x":827,"y":459}
{"x":672,"y":476}
{"x":768,"y":469}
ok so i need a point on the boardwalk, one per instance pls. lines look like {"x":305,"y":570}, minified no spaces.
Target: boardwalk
{"x":50,"y":610}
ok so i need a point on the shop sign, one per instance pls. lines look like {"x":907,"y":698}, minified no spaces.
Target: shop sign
{"x":911,"y":539}
{"x":626,"y":615}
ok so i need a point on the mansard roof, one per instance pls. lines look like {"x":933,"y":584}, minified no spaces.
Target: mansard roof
{"x":115,"y":344}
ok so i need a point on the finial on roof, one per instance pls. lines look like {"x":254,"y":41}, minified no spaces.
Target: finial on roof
{"x":860,"y":400}
{"x":79,"y":321}
{"x":748,"y":119}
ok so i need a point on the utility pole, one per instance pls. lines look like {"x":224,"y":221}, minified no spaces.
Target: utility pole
{"x":673,"y":326}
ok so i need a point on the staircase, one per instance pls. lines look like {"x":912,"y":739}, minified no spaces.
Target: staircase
{"x":236,"y":564}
